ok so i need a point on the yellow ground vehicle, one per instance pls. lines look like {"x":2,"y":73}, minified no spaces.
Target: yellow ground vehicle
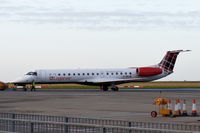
{"x":163,"y":107}
{"x":3,"y":86}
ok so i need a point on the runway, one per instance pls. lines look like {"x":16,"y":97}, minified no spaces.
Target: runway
{"x":164,"y":89}
{"x":120,"y":90}
{"x":130,"y":104}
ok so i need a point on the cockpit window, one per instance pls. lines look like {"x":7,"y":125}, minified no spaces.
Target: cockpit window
{"x":32,"y":73}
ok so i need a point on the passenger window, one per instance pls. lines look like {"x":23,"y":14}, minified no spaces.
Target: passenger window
{"x":74,"y":74}
{"x":83,"y":74}
{"x":92,"y":73}
{"x":107,"y":73}
{"x":125,"y":73}
{"x":130,"y":73}
{"x":97,"y":73}
{"x":121,"y":73}
{"x":69,"y":74}
{"x":64,"y":74}
{"x":78,"y":74}
{"x":116,"y":73}
{"x":59,"y":74}
{"x":88,"y":74}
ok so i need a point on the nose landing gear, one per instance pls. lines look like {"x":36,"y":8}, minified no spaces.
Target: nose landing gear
{"x":25,"y":88}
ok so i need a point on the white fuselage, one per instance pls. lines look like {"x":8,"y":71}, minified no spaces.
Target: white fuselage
{"x":87,"y":76}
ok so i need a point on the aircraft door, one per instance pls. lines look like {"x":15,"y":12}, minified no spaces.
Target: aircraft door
{"x":102,"y":74}
{"x":41,"y":76}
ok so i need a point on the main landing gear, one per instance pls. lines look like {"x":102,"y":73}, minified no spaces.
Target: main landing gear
{"x":25,"y":87}
{"x":105,"y":88}
{"x":115,"y":88}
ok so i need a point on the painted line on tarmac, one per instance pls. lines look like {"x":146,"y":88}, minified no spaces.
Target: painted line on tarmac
{"x":120,"y":90}
{"x":164,"y":89}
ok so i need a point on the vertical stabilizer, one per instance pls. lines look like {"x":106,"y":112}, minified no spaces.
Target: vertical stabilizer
{"x":169,"y":60}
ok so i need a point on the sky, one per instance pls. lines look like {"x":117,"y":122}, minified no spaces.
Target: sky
{"x":74,"y":34}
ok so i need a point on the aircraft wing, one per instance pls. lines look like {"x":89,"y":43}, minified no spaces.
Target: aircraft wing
{"x":101,"y":81}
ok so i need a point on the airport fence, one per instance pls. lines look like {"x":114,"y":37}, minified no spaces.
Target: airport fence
{"x":27,"y":126}
{"x":37,"y":118}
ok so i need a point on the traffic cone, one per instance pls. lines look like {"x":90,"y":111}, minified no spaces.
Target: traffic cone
{"x":179,"y":106}
{"x":170,"y":107}
{"x":184,"y":112}
{"x":194,"y":108}
{"x":177,"y":111}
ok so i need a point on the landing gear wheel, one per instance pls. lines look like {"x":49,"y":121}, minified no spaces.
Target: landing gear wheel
{"x":25,"y":89}
{"x":115,"y":88}
{"x":104,"y":88}
{"x":154,"y":114}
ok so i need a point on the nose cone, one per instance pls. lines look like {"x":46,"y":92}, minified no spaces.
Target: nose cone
{"x":23,"y":80}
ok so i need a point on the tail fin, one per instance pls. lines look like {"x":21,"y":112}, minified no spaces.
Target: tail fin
{"x":169,"y":60}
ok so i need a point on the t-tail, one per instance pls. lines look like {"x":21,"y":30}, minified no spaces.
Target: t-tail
{"x":169,"y":60}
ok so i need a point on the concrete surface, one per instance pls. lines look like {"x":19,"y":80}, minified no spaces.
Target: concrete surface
{"x":128,"y":105}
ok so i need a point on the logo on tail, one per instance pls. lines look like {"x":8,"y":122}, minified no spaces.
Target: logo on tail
{"x":169,"y":60}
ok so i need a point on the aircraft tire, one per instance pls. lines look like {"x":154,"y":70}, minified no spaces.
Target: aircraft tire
{"x":105,"y":88}
{"x":115,"y":88}
{"x":24,"y":89}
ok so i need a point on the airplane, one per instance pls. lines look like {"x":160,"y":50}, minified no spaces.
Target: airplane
{"x":103,"y":77}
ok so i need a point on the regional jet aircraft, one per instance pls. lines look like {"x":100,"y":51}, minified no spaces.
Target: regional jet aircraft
{"x":103,"y":77}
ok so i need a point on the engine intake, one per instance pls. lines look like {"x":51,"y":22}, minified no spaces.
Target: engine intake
{"x":148,"y":71}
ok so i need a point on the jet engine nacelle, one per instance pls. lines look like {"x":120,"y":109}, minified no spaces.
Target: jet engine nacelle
{"x":148,"y":71}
